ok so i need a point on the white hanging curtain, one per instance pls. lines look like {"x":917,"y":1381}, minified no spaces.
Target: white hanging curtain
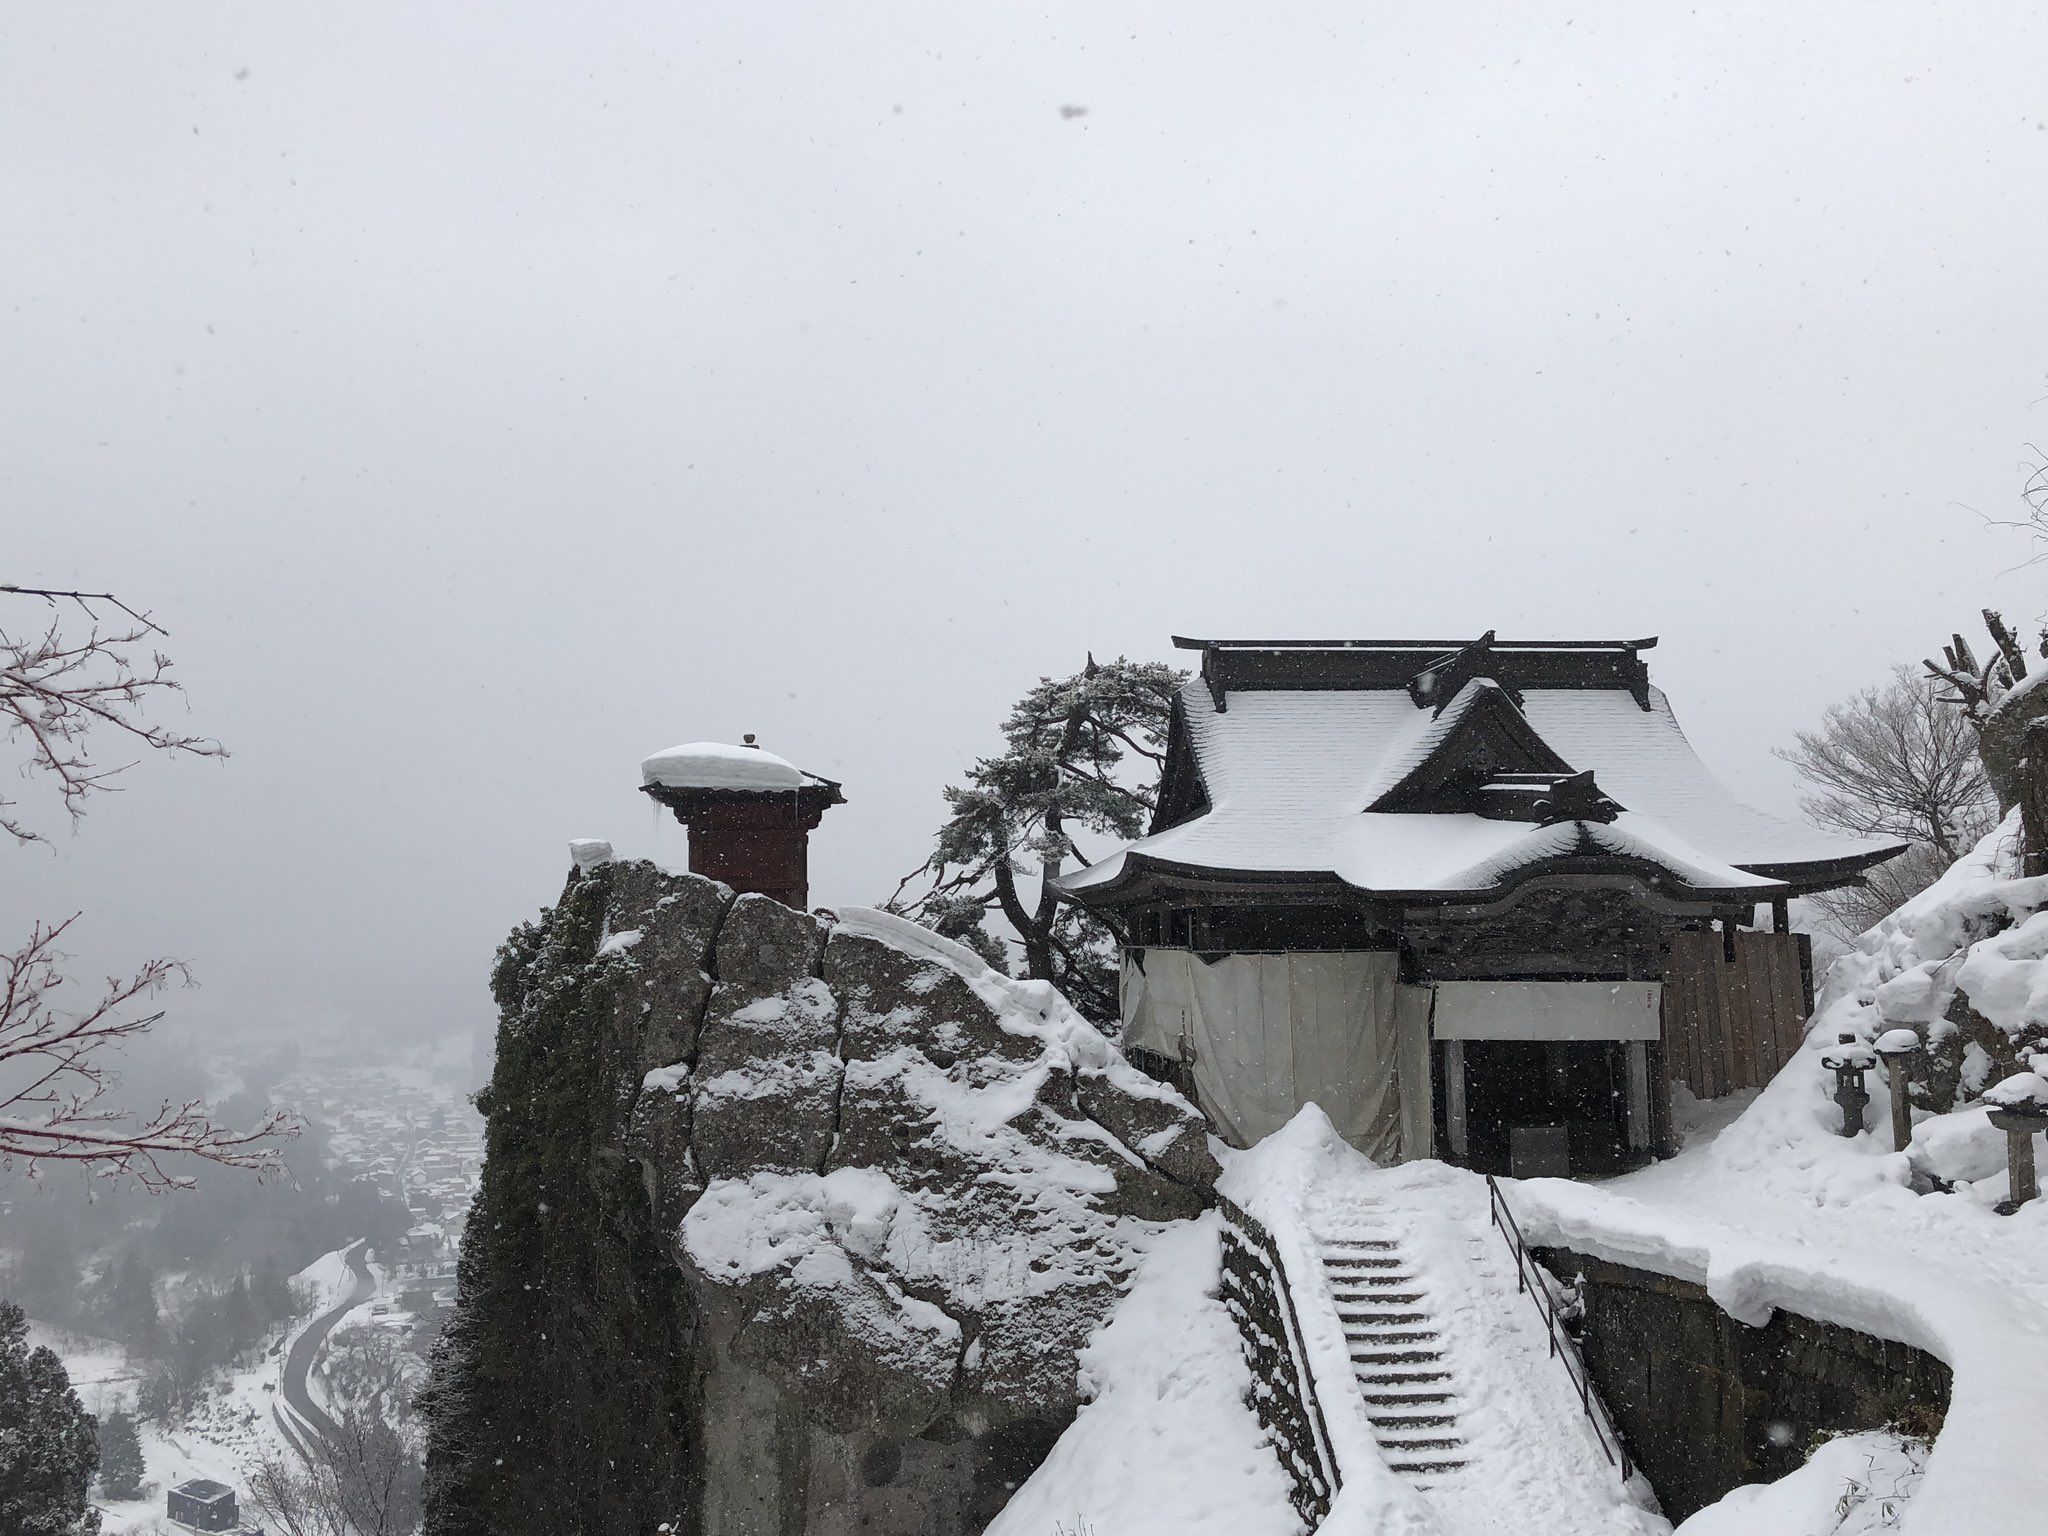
{"x":1418,"y":1103}
{"x":1549,"y":1010}
{"x":1270,"y":1033}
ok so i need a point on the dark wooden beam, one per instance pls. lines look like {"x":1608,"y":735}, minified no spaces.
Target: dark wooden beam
{"x":1185,"y":643}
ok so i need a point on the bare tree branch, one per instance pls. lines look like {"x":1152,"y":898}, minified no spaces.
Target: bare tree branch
{"x":85,"y":600}
{"x":2009,"y":647}
{"x":1897,"y":762}
{"x":56,"y":691}
{"x":54,"y":1078}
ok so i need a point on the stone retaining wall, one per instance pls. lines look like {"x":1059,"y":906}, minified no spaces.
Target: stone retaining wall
{"x":1254,"y":1290}
{"x":1707,"y":1403}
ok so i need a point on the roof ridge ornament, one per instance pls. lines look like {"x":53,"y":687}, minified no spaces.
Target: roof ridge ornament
{"x":1442,"y":680}
{"x":1465,"y":746}
{"x":1545,"y":798}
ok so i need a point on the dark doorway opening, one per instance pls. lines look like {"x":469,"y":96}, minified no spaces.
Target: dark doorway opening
{"x":1578,"y":1086}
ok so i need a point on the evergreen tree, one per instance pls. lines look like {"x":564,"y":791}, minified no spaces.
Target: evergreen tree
{"x":120,"y":1457}
{"x":1064,"y":745}
{"x":157,"y":1397}
{"x":244,"y":1327}
{"x":49,"y":1444}
{"x":554,"y":1402}
{"x":128,"y":1306}
{"x":272,"y":1293}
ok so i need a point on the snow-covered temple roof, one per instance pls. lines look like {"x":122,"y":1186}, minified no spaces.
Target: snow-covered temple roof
{"x":1421,"y":770}
{"x":717,"y":765}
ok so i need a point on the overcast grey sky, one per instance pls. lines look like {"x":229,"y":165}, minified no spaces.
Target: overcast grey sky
{"x":487,"y":396}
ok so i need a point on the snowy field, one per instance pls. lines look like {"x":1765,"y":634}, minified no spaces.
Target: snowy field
{"x":232,"y":1428}
{"x":235,"y":1426}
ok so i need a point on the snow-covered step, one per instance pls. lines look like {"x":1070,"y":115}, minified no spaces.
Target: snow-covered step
{"x":1455,"y":1378}
{"x":1396,"y":1348}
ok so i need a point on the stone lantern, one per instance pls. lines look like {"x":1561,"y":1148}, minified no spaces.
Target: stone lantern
{"x":2019,"y":1107}
{"x":1849,"y":1061}
{"x":750,"y":814}
{"x":1898,"y":1047}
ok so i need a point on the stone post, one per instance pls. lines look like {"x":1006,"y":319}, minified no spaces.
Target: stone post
{"x":2019,"y":1107}
{"x":1898,"y":1047}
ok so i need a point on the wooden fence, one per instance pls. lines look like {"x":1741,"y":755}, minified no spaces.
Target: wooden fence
{"x":1731,"y":1023}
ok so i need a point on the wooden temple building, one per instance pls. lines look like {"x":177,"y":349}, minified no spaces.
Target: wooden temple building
{"x":1478,"y":900}
{"x":750,"y":814}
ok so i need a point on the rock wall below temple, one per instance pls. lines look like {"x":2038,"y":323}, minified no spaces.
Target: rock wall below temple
{"x":1706,"y":1403}
{"x":787,"y":1224}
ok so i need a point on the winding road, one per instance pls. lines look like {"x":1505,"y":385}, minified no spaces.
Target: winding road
{"x":298,"y":1360}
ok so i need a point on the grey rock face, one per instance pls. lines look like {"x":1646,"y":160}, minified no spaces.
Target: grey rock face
{"x":2002,"y":743}
{"x":677,"y":918}
{"x":768,"y":1071}
{"x":903,"y":1191}
{"x":763,"y":946}
{"x":1162,"y":1131}
{"x":767,"y":1083}
{"x":658,"y":1138}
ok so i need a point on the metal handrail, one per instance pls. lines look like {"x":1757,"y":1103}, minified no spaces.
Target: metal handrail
{"x":1563,"y":1346}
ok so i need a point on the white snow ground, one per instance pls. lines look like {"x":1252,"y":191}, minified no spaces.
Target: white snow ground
{"x":1168,"y":1445}
{"x":1854,"y":1485}
{"x":1166,"y":1442}
{"x":218,"y":1441}
{"x":324,"y":1281}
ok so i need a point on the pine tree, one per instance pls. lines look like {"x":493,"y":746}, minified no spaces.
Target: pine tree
{"x":120,"y":1457}
{"x":49,"y":1444}
{"x":1064,"y":743}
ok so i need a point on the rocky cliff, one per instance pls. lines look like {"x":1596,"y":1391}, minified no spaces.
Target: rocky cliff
{"x":787,"y":1224}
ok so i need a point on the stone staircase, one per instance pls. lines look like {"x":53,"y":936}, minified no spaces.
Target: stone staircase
{"x":1411,"y":1396}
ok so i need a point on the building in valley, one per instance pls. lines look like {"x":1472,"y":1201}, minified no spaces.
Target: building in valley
{"x":1478,"y":900}
{"x":201,"y":1504}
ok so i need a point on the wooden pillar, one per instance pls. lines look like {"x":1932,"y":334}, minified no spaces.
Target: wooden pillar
{"x":1663,"y":1134}
{"x":2020,"y":1127}
{"x":1897,"y":1049}
{"x":2019,"y":1150}
{"x":2034,"y":801}
{"x":1781,"y":915}
{"x":1638,"y":1052}
{"x":1454,"y":1098}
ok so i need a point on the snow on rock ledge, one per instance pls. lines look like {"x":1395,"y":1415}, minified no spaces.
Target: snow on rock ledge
{"x":891,"y":1191}
{"x":907,"y":1151}
{"x":903,"y":1187}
